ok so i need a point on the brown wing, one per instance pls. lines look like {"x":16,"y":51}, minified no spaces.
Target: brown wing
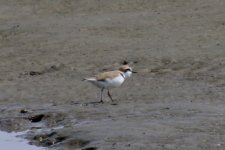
{"x":107,"y":75}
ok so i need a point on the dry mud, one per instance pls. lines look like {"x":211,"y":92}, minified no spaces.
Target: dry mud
{"x":176,"y":101}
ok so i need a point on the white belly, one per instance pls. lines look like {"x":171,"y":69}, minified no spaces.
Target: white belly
{"x":110,"y":83}
{"x":115,"y":82}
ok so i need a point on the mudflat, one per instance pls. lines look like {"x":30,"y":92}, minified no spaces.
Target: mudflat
{"x":176,"y":101}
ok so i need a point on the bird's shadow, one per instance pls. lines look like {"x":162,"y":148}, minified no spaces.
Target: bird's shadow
{"x":94,"y":103}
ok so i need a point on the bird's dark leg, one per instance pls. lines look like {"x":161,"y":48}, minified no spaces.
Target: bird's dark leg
{"x":110,"y":95}
{"x":101,"y":101}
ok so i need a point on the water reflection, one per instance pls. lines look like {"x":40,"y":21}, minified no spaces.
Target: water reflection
{"x":12,"y":141}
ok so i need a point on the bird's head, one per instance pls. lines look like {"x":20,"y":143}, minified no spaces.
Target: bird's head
{"x":127,"y":70}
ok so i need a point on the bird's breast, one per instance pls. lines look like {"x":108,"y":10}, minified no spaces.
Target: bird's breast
{"x":115,"y":82}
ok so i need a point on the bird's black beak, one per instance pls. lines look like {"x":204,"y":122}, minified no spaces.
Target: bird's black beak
{"x":133,"y":71}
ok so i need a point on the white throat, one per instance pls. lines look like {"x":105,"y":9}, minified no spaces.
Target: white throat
{"x":127,"y":74}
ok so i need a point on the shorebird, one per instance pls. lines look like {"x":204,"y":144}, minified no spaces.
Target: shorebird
{"x":111,"y":79}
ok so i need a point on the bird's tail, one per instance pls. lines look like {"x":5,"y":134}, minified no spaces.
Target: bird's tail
{"x":89,"y":79}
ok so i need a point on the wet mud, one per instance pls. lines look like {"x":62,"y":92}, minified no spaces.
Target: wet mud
{"x":175,"y":101}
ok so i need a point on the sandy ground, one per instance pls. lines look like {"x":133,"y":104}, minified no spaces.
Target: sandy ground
{"x":176,"y":101}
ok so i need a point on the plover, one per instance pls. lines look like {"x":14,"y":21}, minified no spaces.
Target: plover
{"x":111,"y":79}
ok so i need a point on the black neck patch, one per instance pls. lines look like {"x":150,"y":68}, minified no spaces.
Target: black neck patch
{"x":122,"y":75}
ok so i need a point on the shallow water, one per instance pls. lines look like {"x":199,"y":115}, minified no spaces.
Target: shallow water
{"x":13,"y":141}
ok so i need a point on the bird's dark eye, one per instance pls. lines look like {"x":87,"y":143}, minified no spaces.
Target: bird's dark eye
{"x":128,"y":69}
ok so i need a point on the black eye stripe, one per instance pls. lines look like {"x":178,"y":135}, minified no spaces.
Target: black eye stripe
{"x":128,"y":69}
